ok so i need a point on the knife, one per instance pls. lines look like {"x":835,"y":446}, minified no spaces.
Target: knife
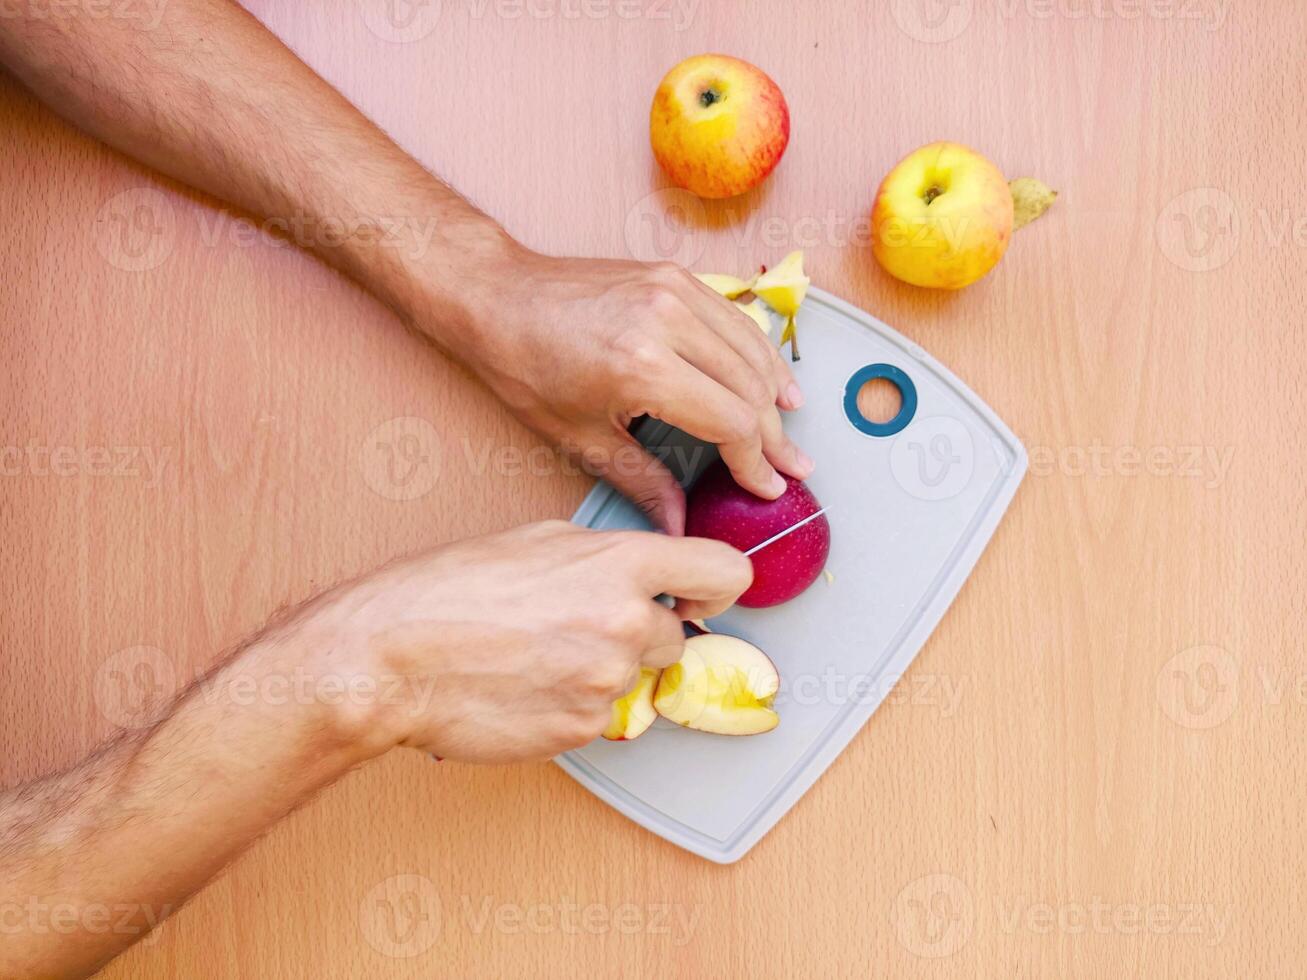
{"x":670,"y":601}
{"x":789,"y":530}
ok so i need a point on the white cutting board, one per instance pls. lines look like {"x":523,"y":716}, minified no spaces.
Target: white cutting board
{"x":912,"y":505}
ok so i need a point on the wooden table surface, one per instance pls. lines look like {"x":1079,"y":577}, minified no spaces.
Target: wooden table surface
{"x":1094,"y":767}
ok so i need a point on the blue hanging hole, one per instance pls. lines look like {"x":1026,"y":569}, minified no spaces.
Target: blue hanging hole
{"x":907,"y":394}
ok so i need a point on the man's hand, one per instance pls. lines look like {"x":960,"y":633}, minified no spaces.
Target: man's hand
{"x":514,"y":646}
{"x":501,"y":648}
{"x":577,"y":348}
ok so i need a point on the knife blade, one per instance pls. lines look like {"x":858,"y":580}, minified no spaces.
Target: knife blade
{"x":789,"y":530}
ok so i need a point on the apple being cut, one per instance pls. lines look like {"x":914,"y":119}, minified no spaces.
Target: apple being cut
{"x":721,"y":509}
{"x":721,"y":684}
{"x":633,"y":713}
{"x":718,"y":125}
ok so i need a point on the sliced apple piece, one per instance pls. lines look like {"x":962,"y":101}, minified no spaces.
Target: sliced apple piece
{"x":784,"y":289}
{"x":758,"y":314}
{"x":721,"y":684}
{"x":728,"y":286}
{"x":633,"y":713}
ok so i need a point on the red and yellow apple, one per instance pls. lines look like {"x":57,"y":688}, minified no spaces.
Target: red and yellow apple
{"x":718,"y":508}
{"x":718,"y":125}
{"x":722,"y":684}
{"x":942,"y":218}
{"x":634,"y":712}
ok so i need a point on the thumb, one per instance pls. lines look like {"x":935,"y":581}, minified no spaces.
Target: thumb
{"x":614,"y":455}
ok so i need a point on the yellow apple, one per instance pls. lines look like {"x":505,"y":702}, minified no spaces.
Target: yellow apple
{"x":718,"y":125}
{"x":634,"y":712}
{"x":942,"y":218}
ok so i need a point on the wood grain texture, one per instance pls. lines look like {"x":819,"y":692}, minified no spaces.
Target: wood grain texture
{"x":1113,"y":785}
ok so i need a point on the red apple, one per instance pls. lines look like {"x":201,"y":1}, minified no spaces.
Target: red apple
{"x":720,"y":508}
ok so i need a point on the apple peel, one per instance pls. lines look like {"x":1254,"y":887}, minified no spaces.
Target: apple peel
{"x":784,"y":288}
{"x":1030,"y":199}
{"x":728,"y":286}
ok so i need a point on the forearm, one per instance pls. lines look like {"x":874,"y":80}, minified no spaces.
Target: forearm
{"x":92,"y":859}
{"x":211,"y":98}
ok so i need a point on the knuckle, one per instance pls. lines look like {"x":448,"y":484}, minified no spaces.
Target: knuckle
{"x":664,"y":303}
{"x":630,"y":620}
{"x":666,"y":272}
{"x":627,"y":547}
{"x":742,"y":426}
{"x":757,"y":392}
{"x":641,"y":352}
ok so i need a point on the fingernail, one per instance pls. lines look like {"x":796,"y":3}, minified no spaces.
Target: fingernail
{"x":793,"y":395}
{"x":777,"y":484}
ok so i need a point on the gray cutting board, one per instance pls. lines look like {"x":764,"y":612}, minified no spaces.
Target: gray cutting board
{"x":912,"y":505}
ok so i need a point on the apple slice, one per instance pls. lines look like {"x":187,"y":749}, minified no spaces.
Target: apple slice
{"x":633,"y":713}
{"x":721,"y":684}
{"x":756,"y":312}
{"x":784,"y":288}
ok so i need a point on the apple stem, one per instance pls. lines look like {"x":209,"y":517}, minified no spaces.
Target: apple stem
{"x":931,"y":194}
{"x":792,"y":331}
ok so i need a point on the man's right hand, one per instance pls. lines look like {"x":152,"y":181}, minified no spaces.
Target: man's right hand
{"x":513,"y":646}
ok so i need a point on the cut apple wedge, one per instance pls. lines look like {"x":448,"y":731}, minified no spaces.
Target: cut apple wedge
{"x":784,"y":287}
{"x":756,"y":312}
{"x":722,"y":685}
{"x":634,"y":712}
